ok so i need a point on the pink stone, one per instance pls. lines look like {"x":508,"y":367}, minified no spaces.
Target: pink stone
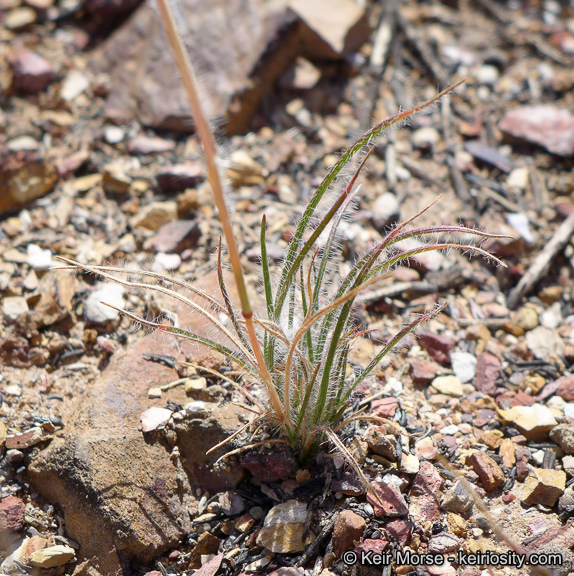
{"x":545,"y":125}
{"x":487,"y":372}
{"x":11,"y":514}
{"x":32,"y":73}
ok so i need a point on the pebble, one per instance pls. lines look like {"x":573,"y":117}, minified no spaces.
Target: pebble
{"x":464,"y":366}
{"x":543,"y":342}
{"x":563,"y":435}
{"x":526,"y":318}
{"x":284,"y":527}
{"x":552,"y":317}
{"x":115,"y":180}
{"x":386,"y":211}
{"x":487,"y":74}
{"x":534,"y":422}
{"x":442,"y":543}
{"x":13,"y":390}
{"x":565,"y":387}
{"x":409,"y":464}
{"x":114,"y":134}
{"x":390,"y":501}
{"x":108,"y":292}
{"x":544,"y":125}
{"x":176,"y":236}
{"x":11,"y":514}
{"x":487,"y":469}
{"x":425,"y":449}
{"x":425,"y":138}
{"x":521,"y":224}
{"x":423,"y":371}
{"x":196,"y":409}
{"x":231,"y":503}
{"x":348,"y":529}
{"x":74,"y":84}
{"x":449,"y":385}
{"x":144,"y":145}
{"x":154,"y":393}
{"x":13,"y":306}
{"x":32,"y":72}
{"x":20,"y":18}
{"x":25,"y":439}
{"x":569,"y":411}
{"x":154,"y":215}
{"x":450,"y":430}
{"x":519,"y":178}
{"x":568,"y":464}
{"x":38,"y":258}
{"x":178,"y":177}
{"x":456,"y":499}
{"x":543,"y":486}
{"x":154,"y":418}
{"x":163,"y":261}
{"x":51,"y":557}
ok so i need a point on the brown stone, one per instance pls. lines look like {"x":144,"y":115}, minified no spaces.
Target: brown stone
{"x":11,"y":514}
{"x":176,"y":236}
{"x":122,"y":492}
{"x":487,"y":372}
{"x":543,"y":486}
{"x":380,"y":443}
{"x":506,"y":450}
{"x":400,"y":529}
{"x":237,"y":42}
{"x":388,"y":502}
{"x":437,"y":346}
{"x":207,"y":543}
{"x":424,"y":496}
{"x":329,"y":34}
{"x":423,"y":371}
{"x":566,"y":387}
{"x":487,"y":469}
{"x":56,"y":290}
{"x":270,"y":466}
{"x":563,"y":435}
{"x":349,"y":527}
{"x":32,"y":72}
{"x":385,"y":407}
{"x":178,"y":177}
{"x":544,"y":125}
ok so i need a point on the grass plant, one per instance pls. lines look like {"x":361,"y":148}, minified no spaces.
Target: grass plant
{"x":298,"y":347}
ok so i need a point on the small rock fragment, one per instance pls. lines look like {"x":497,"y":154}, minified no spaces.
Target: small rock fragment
{"x":283,"y":528}
{"x":563,"y":435}
{"x":349,"y":527}
{"x":423,"y":371}
{"x":487,"y":469}
{"x":38,"y":258}
{"x":231,"y":503}
{"x":11,"y":514}
{"x":155,"y":418}
{"x":526,"y":318}
{"x":565,"y":387}
{"x":163,"y":261}
{"x":330,"y":33}
{"x":74,"y":84}
{"x":32,"y":73}
{"x":386,"y":211}
{"x":543,"y":486}
{"x":95,"y":309}
{"x":178,"y":177}
{"x":544,"y":125}
{"x":20,"y":18}
{"x":389,"y":500}
{"x":488,"y":371}
{"x":456,"y":499}
{"x":176,"y":236}
{"x":154,"y":215}
{"x":13,"y":306}
{"x":464,"y":366}
{"x":543,"y":342}
{"x":51,"y":557}
{"x":449,"y":385}
{"x":437,"y":346}
{"x":25,"y":439}
{"x":442,"y":543}
{"x":534,"y":422}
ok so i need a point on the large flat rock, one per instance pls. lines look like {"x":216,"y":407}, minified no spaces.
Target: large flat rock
{"x":124,"y":498}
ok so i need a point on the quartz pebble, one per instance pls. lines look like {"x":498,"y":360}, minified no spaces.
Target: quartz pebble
{"x":155,"y":418}
{"x":464,"y":366}
{"x":95,"y":309}
{"x":449,"y":385}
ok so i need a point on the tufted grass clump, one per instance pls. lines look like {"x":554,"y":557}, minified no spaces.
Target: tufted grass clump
{"x":297,"y":347}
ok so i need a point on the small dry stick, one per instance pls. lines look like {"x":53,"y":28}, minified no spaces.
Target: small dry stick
{"x":542,"y":261}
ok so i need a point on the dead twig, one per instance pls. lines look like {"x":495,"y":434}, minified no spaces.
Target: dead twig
{"x":542,"y":261}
